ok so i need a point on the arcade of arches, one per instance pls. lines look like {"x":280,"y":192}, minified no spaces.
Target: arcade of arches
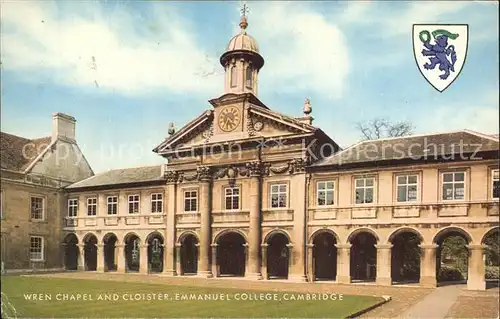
{"x":405,"y":257}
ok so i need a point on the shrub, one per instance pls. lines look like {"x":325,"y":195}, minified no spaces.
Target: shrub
{"x":449,"y":274}
{"x":492,"y":272}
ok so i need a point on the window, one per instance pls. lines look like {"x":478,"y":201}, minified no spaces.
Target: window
{"x":112,"y":205}
{"x":407,"y":186}
{"x":454,"y":186}
{"x":133,"y":204}
{"x":233,"y":76}
{"x":232,"y":197}
{"x":325,"y":193}
{"x":92,"y":206}
{"x":495,"y":183}
{"x":156,"y":246}
{"x":248,"y":77}
{"x":190,"y":201}
{"x":157,"y":203}
{"x":278,"y":195}
{"x":364,"y":190}
{"x":72,"y":207}
{"x":37,"y":208}
{"x":36,"y":248}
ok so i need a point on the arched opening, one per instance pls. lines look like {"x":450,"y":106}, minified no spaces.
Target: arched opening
{"x":278,"y":256}
{"x":110,"y":260}
{"x":452,"y":256}
{"x":363,"y":257}
{"x":189,"y":255}
{"x":325,"y":256}
{"x":155,"y":253}
{"x":249,"y":77}
{"x":405,"y":257}
{"x":132,"y":255}
{"x":231,"y":254}
{"x":234,"y":77}
{"x":71,"y":252}
{"x":492,"y":257}
{"x":90,"y":252}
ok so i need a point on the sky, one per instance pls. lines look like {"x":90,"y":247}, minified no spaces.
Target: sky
{"x":125,"y":69}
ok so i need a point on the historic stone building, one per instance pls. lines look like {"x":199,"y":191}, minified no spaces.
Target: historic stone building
{"x":33,"y":175}
{"x":251,"y":192}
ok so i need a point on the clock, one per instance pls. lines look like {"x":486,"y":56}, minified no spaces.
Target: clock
{"x":229,"y":118}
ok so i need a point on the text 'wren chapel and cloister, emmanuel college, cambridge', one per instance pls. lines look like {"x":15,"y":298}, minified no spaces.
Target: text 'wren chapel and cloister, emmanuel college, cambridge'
{"x":250,"y":192}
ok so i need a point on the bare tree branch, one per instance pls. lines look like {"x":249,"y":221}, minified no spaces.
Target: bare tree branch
{"x":382,"y":127}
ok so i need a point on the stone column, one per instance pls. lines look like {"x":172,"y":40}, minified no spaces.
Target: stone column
{"x":475,"y":277}
{"x":343,"y":263}
{"x":81,"y":257}
{"x":178,"y":265}
{"x":100,"y":258}
{"x":143,"y":259}
{"x":64,"y":247}
{"x":121,"y":264}
{"x":310,"y":263}
{"x":205,"y":233}
{"x":169,"y":264}
{"x":297,"y":199}
{"x":215,"y":267}
{"x":254,"y":232}
{"x":428,"y":265}
{"x":264,"y":261}
{"x":384,"y":264}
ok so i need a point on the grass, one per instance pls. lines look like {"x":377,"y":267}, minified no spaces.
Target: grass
{"x":18,"y":291}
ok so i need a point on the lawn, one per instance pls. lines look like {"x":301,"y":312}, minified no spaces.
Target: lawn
{"x":73,"y":298}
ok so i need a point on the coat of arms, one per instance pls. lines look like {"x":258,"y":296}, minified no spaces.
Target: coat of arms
{"x":440,"y":51}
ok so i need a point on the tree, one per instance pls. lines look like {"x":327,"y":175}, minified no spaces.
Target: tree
{"x":383,"y":127}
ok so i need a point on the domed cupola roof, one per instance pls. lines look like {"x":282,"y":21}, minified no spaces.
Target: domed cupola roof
{"x":242,"y":45}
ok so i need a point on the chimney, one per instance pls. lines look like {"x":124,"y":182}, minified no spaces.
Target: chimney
{"x":63,"y":126}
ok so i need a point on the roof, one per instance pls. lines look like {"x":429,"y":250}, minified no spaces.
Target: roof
{"x":428,"y":146}
{"x":17,"y":153}
{"x":122,"y":176}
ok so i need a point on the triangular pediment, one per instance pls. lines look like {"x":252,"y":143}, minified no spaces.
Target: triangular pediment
{"x":256,"y":122}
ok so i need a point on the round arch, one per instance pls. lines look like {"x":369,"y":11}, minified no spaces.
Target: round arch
{"x":490,"y":231}
{"x":452,"y":229}
{"x":358,"y":231}
{"x":269,"y":235}
{"x":221,"y":234}
{"x":185,"y":234}
{"x":108,"y":236}
{"x":405,"y":229}
{"x":153,"y":234}
{"x":130,"y":235}
{"x":321,"y":231}
{"x":69,"y":236}
{"x":89,"y":236}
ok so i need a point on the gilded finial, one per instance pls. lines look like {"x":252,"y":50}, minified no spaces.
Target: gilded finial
{"x":307,"y":107}
{"x":243,"y":20}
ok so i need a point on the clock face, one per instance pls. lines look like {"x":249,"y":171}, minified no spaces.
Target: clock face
{"x":229,"y":118}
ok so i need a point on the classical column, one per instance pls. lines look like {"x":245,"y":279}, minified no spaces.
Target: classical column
{"x":100,"y":257}
{"x":121,"y":265}
{"x":343,"y":263}
{"x":143,"y":258}
{"x":204,"y":177}
{"x":475,"y":277}
{"x":81,"y":257}
{"x":264,"y":261}
{"x":384,"y":264}
{"x":215,"y":267}
{"x":428,"y":265}
{"x":254,"y":235}
{"x":297,"y":199}
{"x":310,"y":263}
{"x":178,"y":265}
{"x":169,"y":263}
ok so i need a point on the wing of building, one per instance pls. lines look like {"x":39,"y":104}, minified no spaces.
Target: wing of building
{"x":251,"y":192}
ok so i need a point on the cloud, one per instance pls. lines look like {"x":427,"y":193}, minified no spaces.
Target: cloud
{"x":304,"y":50}
{"x":117,"y":50}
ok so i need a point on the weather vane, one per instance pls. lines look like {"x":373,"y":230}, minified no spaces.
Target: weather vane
{"x":244,"y":10}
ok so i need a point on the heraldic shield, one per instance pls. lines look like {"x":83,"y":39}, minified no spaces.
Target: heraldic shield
{"x":440,"y":51}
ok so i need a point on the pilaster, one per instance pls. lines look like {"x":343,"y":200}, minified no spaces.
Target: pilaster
{"x":428,"y":265}
{"x":143,"y":259}
{"x":384,"y":264}
{"x":121,"y":265}
{"x":475,"y":277}
{"x":343,"y":263}
{"x":264,"y":261}
{"x":100,"y":258}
